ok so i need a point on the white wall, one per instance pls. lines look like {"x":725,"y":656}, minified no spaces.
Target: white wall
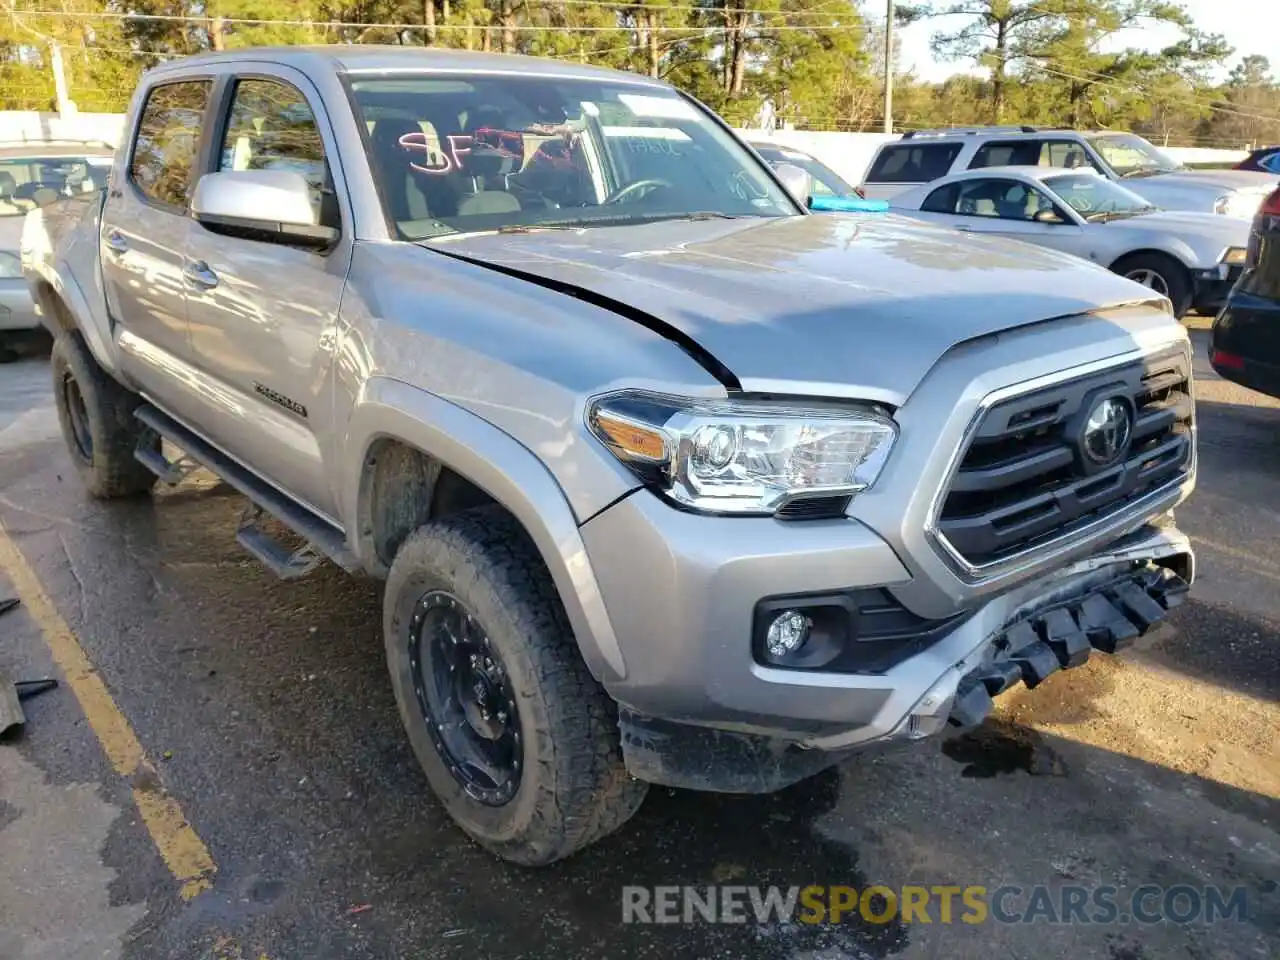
{"x":24,"y":125}
{"x":849,"y":154}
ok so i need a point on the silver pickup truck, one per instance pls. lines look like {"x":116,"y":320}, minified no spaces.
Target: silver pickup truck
{"x":669,"y":481}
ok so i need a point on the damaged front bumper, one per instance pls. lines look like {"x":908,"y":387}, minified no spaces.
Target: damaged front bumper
{"x":1100,"y":603}
{"x":1052,"y":623}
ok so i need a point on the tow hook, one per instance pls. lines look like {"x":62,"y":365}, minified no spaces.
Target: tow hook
{"x":1106,"y":618}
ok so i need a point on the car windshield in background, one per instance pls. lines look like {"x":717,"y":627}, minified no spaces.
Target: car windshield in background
{"x":469,"y":154}
{"x":30,"y":182}
{"x":1095,"y":198}
{"x":826,"y":182}
{"x":1131,"y":156}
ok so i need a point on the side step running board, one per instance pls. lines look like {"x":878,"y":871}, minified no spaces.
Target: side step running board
{"x":322,"y":537}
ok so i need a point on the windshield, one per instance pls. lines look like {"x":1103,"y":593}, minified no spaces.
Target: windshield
{"x":1096,"y":198}
{"x":30,"y":182}
{"x":1131,"y":156}
{"x":474,"y":153}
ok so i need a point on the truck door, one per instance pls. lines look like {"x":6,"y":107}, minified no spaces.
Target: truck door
{"x":262,"y":315}
{"x":144,"y":232}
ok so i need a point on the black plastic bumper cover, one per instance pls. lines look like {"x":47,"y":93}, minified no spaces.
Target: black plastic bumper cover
{"x":1062,"y":636}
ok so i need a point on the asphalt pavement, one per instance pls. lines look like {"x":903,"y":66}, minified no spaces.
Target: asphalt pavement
{"x":239,"y":788}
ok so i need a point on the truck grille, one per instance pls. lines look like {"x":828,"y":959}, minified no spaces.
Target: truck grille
{"x":1046,"y":463}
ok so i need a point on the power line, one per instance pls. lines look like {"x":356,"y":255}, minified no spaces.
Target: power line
{"x":1131,"y":88}
{"x":379,"y":25}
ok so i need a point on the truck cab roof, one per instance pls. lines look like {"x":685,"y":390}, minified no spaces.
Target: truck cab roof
{"x":344,"y":58}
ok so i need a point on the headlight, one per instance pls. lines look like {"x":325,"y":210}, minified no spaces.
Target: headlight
{"x":743,"y":457}
{"x":1235,"y":255}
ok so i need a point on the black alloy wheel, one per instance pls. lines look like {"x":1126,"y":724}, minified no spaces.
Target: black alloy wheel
{"x":466,"y":698}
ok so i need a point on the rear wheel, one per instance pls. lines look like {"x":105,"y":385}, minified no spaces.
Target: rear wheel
{"x":515,"y":736}
{"x":96,"y":415}
{"x":1163,"y":274}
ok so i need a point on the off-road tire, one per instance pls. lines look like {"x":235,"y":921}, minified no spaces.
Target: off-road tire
{"x":1176,"y":278}
{"x":108,"y":468}
{"x":574,"y":788}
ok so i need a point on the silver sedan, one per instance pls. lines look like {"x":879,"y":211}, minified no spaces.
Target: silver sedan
{"x":1191,"y":258}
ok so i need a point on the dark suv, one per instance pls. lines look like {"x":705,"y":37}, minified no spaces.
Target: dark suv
{"x":1246,"y":336}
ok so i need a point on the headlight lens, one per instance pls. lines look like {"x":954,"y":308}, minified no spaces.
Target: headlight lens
{"x":743,"y":458}
{"x":1235,"y":255}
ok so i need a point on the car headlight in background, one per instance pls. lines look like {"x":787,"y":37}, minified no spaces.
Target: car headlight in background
{"x":1235,"y":255}
{"x":741,"y":457}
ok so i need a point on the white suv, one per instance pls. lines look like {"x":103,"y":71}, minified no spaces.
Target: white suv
{"x":922,"y":156}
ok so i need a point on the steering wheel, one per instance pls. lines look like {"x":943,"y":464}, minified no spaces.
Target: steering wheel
{"x":618,"y":195}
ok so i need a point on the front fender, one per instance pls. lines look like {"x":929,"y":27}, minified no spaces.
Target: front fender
{"x":508,"y":472}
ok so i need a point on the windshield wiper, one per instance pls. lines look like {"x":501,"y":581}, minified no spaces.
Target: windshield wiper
{"x":1106,"y":216}
{"x":1146,"y":171}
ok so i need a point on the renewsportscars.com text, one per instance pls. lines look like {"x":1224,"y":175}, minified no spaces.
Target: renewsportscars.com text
{"x":1068,"y":904}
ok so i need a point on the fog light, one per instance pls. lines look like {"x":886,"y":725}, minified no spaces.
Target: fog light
{"x":787,"y":633}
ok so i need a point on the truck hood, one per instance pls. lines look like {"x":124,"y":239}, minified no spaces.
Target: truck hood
{"x":828,"y":304}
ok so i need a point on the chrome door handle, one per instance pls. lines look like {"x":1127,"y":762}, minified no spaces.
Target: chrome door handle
{"x":116,"y":243}
{"x":964,"y":229}
{"x":199,"y":274}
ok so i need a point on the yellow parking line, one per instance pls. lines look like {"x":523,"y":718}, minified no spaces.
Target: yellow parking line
{"x":183,"y":852}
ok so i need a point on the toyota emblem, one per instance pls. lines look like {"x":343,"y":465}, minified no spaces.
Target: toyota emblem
{"x":1107,"y":432}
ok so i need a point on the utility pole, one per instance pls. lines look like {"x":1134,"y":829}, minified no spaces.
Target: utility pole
{"x":888,"y":68}
{"x":65,"y":106}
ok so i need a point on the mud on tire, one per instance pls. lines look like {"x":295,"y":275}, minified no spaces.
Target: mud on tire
{"x":96,"y":415}
{"x":572,"y":787}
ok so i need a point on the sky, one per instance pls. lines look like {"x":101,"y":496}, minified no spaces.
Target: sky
{"x":1251,"y":26}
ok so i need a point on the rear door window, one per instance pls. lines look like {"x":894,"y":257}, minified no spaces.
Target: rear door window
{"x":168,"y":138}
{"x":1007,"y":153}
{"x":913,"y":162}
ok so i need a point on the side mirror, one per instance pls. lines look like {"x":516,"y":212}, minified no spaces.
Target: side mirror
{"x":1048,"y":216}
{"x":797,"y":181}
{"x":273,"y":206}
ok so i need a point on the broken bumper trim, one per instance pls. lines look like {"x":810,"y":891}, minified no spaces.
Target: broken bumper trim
{"x":1060,"y":637}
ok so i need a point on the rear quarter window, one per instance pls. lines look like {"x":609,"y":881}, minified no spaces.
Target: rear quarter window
{"x":913,"y":162}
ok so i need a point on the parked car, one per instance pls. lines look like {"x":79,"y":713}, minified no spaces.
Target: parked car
{"x":920,"y":157}
{"x":669,"y":480}
{"x":1245,"y":342}
{"x":1264,"y":160}
{"x":1191,"y":258}
{"x":33,"y":174}
{"x":826,"y":182}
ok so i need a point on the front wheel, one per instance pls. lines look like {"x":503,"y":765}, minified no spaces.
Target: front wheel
{"x":1163,"y":274}
{"x":516,"y":738}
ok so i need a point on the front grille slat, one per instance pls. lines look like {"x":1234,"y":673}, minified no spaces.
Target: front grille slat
{"x":1024,"y":481}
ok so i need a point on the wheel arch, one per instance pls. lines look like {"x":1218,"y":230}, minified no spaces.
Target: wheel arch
{"x":64,"y":308}
{"x":1178,"y":256}
{"x":438,"y":455}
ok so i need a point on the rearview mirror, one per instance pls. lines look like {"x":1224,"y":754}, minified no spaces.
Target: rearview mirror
{"x":797,"y":181}
{"x":1048,"y":216}
{"x":273,"y":206}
